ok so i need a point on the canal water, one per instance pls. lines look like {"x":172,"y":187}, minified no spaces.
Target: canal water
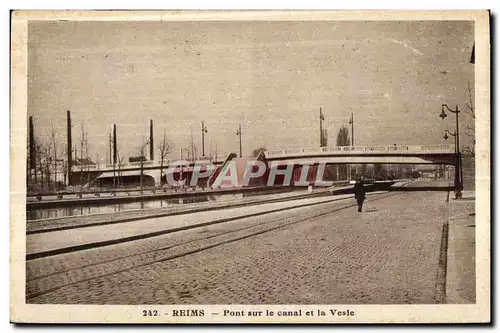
{"x":37,"y":214}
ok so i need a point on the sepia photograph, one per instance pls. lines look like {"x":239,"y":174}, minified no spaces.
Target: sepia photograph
{"x":250,"y":166}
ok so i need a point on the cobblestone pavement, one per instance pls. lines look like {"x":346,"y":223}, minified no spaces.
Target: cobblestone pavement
{"x":387,"y":254}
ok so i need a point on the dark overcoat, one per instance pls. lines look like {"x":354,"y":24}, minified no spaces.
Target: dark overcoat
{"x":359,"y":191}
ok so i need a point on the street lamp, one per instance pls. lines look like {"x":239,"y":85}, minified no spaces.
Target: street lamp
{"x":446,"y":132}
{"x":321,"y":119}
{"x":351,"y":122}
{"x":458,"y":164}
{"x":238,"y":133}
{"x":203,"y":131}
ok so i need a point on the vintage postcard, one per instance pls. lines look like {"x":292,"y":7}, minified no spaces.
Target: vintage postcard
{"x":250,"y":167}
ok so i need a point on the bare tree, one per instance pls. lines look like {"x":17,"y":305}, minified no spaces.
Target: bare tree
{"x":324,"y":137}
{"x":82,"y":146}
{"x":192,"y":146}
{"x":470,"y":128}
{"x":343,"y":140}
{"x":44,"y":162}
{"x":38,"y":162}
{"x":65,"y":171}
{"x":142,"y":158}
{"x":47,"y":163}
{"x":165,"y":148}
{"x":55,"y":153}
{"x":343,"y":137}
{"x":380,"y":171}
{"x":87,"y":157}
{"x":257,"y":151}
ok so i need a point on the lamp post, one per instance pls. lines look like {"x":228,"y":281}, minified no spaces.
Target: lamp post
{"x":458,"y":164}
{"x":238,"y":133}
{"x":321,"y":119}
{"x":203,"y":131}
{"x":351,"y":122}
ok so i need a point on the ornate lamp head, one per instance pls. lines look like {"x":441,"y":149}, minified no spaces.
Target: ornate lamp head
{"x":443,"y":113}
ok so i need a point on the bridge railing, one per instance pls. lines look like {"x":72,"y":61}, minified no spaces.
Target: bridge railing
{"x":85,"y":167}
{"x":148,"y":164}
{"x":359,"y":149}
{"x":437,"y":147}
{"x":138,"y":163}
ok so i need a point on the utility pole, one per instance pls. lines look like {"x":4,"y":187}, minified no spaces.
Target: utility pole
{"x":70,"y":145}
{"x":115,"y":155}
{"x":110,"y":153}
{"x":32,"y":147}
{"x":151,"y":141}
{"x":97,"y":162}
{"x":203,"y":131}
{"x":351,"y":122}
{"x":321,"y":118}
{"x":238,"y":133}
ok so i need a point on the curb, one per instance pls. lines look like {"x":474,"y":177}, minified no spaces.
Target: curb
{"x":442,"y":266}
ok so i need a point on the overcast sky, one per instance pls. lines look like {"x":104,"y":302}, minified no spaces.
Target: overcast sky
{"x":270,"y":77}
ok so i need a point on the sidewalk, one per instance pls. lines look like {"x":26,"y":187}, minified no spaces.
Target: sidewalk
{"x":461,"y":255}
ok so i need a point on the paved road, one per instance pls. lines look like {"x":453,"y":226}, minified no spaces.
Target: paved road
{"x":387,"y":254}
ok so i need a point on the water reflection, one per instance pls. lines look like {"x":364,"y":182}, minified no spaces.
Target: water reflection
{"x":37,"y":214}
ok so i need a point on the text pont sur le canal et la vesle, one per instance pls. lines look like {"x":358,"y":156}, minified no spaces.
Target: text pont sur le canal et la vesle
{"x":259,"y":313}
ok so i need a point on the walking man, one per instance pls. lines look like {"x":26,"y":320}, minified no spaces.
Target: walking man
{"x":360,"y":193}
